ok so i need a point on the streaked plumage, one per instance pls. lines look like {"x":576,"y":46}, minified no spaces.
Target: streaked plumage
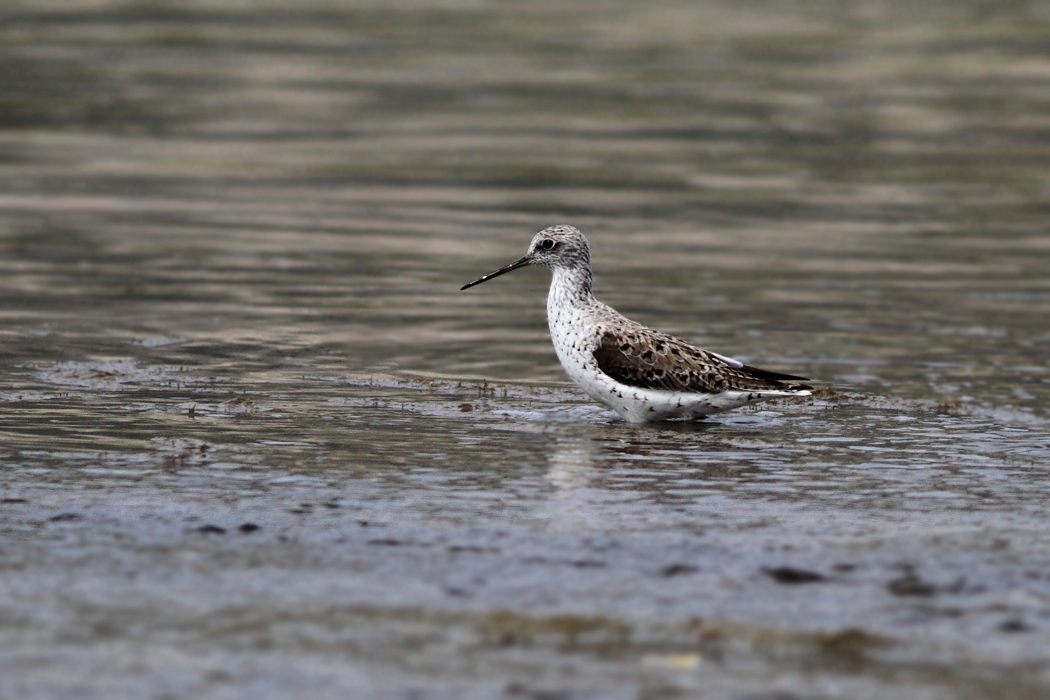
{"x":642,"y":374}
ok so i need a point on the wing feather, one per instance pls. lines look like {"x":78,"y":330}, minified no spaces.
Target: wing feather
{"x":648,"y":359}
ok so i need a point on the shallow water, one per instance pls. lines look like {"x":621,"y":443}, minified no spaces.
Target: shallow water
{"x":256,"y":442}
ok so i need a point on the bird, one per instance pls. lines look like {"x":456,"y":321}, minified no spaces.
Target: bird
{"x":643,"y":374}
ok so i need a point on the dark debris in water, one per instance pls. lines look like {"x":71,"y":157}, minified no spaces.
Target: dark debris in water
{"x":507,"y":628}
{"x":850,"y":643}
{"x":473,"y":549}
{"x":911,"y":584}
{"x":589,"y":564}
{"x":1015,"y":625}
{"x":209,"y":530}
{"x":239,"y":406}
{"x":950,"y":408}
{"x":792,"y":575}
{"x":678,"y":570}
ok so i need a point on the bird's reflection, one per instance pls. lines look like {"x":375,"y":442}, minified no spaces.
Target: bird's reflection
{"x":585,"y":460}
{"x":572,"y":464}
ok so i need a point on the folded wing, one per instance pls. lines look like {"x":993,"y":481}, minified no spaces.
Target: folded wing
{"x":649,"y":359}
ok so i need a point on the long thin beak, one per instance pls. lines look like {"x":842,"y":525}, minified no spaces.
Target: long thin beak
{"x":521,"y":262}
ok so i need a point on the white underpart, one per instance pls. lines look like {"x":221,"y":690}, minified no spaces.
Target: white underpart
{"x":577,"y":321}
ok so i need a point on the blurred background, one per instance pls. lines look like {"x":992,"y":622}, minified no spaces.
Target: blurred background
{"x":232,"y":236}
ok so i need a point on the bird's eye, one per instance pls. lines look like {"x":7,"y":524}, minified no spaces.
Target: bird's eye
{"x":547,"y":244}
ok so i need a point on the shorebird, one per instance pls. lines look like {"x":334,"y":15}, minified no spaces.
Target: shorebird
{"x":642,"y":374}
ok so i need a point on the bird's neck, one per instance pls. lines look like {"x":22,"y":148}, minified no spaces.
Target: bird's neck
{"x":572,"y":285}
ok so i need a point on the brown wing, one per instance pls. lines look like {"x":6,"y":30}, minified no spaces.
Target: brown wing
{"x":648,"y":359}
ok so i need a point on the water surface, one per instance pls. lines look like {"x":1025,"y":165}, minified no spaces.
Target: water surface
{"x":257,"y":443}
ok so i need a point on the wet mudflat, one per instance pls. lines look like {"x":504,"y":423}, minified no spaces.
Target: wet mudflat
{"x":255,"y":442}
